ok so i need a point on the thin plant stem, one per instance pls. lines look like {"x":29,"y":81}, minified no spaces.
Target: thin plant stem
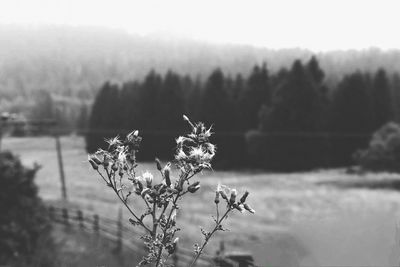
{"x":168,"y":221}
{"x":124,"y":202}
{"x":216,"y":228}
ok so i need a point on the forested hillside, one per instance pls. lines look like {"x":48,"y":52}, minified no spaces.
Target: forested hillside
{"x":56,"y":71}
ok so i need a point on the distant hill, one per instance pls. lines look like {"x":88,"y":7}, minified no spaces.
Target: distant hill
{"x":74,"y":61}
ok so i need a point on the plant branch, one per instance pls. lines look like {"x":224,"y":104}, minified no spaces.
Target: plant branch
{"x":216,"y":228}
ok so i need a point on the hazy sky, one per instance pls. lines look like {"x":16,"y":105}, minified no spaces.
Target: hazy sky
{"x":314,"y":24}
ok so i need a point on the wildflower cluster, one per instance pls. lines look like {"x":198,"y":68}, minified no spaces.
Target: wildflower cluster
{"x":160,"y":197}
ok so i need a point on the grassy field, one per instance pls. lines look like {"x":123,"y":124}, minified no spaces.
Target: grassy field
{"x":317,"y":218}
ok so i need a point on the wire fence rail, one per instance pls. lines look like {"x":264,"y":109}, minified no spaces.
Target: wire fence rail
{"x":115,"y":231}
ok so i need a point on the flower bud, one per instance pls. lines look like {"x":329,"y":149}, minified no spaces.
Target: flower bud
{"x":94,"y":165}
{"x":158,"y":164}
{"x":248,"y":208}
{"x":233,"y":196}
{"x":106,"y":161}
{"x":216,"y":200}
{"x":166,"y":172}
{"x":194,"y":187}
{"x":173,"y":218}
{"x":223,"y":195}
{"x":145,"y":192}
{"x":243,"y":198}
{"x":114,"y":167}
{"x":139,"y":188}
{"x":95,"y":159}
{"x":179,"y":186}
{"x":162,"y":189}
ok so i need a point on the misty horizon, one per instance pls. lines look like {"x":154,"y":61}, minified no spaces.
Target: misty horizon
{"x":312,"y":25}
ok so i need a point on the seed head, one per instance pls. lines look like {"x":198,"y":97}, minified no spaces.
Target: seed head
{"x":148,"y":177}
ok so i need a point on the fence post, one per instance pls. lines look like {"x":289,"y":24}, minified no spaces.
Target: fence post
{"x":61,"y":166}
{"x":79,"y":216}
{"x":96,"y":224}
{"x":119,"y":232}
{"x":65,"y":216}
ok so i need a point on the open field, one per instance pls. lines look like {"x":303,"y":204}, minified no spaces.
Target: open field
{"x":314,"y":218}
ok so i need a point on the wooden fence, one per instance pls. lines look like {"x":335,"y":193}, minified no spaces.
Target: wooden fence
{"x":116,"y":231}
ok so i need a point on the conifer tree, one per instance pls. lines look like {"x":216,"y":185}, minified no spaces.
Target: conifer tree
{"x":351,"y":110}
{"x":150,"y":89}
{"x":170,"y":106}
{"x":256,"y":94}
{"x":381,"y":97}
{"x":296,"y":105}
{"x":215,"y":102}
{"x":105,"y":120}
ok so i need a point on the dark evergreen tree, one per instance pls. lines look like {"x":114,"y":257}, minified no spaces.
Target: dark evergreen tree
{"x":351,"y":110}
{"x":381,"y":97}
{"x":131,"y":106}
{"x":351,"y":118}
{"x":255,"y":94}
{"x":317,"y":74}
{"x":215,"y":103}
{"x":296,"y":105}
{"x":396,"y":96}
{"x":170,"y":106}
{"x":148,"y":101}
{"x":289,"y":138}
{"x":105,"y":119}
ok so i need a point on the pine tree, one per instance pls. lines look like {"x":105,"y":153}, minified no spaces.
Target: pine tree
{"x":150,"y":89}
{"x":381,"y":97}
{"x":351,"y":118}
{"x":317,"y":74}
{"x":170,"y":106}
{"x":105,"y":118}
{"x":296,"y":105}
{"x":256,"y":94}
{"x":290,"y":125}
{"x":215,"y":103}
{"x":351,"y":110}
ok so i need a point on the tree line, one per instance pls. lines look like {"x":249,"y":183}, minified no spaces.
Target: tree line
{"x":287,"y":120}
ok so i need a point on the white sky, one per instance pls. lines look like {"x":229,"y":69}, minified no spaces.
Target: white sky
{"x":314,"y":24}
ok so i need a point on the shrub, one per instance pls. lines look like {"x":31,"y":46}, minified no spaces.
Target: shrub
{"x":22,"y":213}
{"x":383,"y":152}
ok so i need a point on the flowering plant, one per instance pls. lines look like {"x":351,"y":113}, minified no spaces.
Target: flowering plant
{"x":193,"y":154}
